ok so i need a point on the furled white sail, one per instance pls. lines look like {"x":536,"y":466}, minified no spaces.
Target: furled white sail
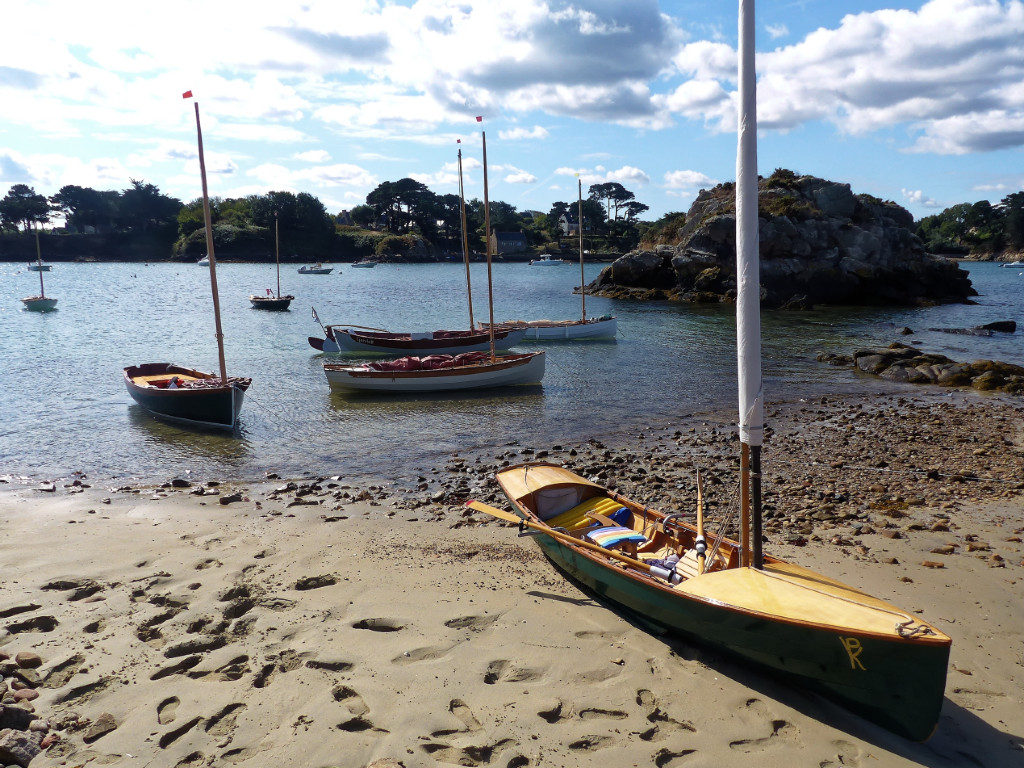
{"x":748,"y":300}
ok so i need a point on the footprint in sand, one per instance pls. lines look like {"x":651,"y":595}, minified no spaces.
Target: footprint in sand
{"x":594,"y":713}
{"x":79,"y":588}
{"x":172,"y":736}
{"x":428,"y":653}
{"x":506,"y":672}
{"x":233,"y":670}
{"x":358,"y":725}
{"x":591,"y":743}
{"x":61,"y":673}
{"x":177,"y":668}
{"x":209,"y":562}
{"x":464,"y":714}
{"x":239,"y":755}
{"x":191,"y":760}
{"x":473,"y":623}
{"x":379,"y":625}
{"x":165,"y":710}
{"x":666,"y":758}
{"x":556,"y":713}
{"x":470,"y":756}
{"x":663,"y":725}
{"x":350,"y":699}
{"x":782,"y":731}
{"x":847,"y":756}
{"x":35,"y":624}
{"x":222,"y":723}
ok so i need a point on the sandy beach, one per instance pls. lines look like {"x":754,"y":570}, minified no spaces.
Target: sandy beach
{"x":319,"y":622}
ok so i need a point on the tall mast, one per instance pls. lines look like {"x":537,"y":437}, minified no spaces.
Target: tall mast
{"x":465,"y":242}
{"x":748,"y":307}
{"x":487,"y":234}
{"x":209,"y":251}
{"x":39,"y":261}
{"x":277,"y":255}
{"x":579,"y":226}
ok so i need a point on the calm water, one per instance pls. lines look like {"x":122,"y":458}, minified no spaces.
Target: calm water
{"x":64,"y":406}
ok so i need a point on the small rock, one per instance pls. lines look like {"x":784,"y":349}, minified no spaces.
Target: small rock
{"x":103,"y":725}
{"x":945,"y":549}
{"x":28,"y":660}
{"x":932,"y":564}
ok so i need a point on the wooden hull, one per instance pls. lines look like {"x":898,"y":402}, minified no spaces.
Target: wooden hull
{"x":565,"y":330}
{"x":880,"y":662}
{"x":39,"y":303}
{"x":401,"y":344}
{"x":272,"y":303}
{"x":208,"y":405}
{"x":508,"y":371}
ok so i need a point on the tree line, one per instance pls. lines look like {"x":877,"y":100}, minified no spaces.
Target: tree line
{"x":403,"y":207}
{"x":976,"y":228}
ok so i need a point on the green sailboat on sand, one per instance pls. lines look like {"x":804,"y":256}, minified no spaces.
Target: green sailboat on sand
{"x":879,"y":661}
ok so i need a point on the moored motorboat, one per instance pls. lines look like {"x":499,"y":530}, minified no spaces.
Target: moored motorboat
{"x":364,"y":264}
{"x":38,"y":267}
{"x":316,"y":269}
{"x":203,"y":261}
{"x":546,"y":260}
{"x":179,"y":393}
{"x":882,"y":662}
{"x":1013,"y":264}
{"x":437,"y":373}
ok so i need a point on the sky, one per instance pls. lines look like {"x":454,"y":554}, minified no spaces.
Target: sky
{"x":921,"y":103}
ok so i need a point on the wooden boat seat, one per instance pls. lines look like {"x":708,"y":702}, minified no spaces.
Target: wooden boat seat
{"x":161,"y":380}
{"x":582,"y":514}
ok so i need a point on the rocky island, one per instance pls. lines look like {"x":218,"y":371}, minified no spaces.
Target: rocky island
{"x":819,"y":244}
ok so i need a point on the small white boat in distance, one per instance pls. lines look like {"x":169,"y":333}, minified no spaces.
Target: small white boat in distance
{"x":42,"y":302}
{"x":437,"y":373}
{"x":204,"y":262}
{"x":545,"y":260}
{"x":364,"y":264}
{"x":1010,"y":264}
{"x":46,"y":267}
{"x":316,"y":269}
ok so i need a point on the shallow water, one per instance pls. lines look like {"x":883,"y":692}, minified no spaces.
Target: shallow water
{"x":64,"y":406}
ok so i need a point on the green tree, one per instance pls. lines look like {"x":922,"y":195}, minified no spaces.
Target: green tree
{"x":1012,"y":207}
{"x":363,"y":216}
{"x":144,"y":208}
{"x":23,"y":207}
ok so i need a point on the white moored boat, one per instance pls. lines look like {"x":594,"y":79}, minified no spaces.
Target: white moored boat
{"x":545,"y":260}
{"x":316,"y":269}
{"x":437,"y":373}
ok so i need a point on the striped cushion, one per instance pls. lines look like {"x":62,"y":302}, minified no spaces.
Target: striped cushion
{"x":612,"y":535}
{"x":577,"y":516}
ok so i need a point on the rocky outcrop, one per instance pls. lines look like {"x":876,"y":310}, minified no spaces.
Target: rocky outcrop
{"x":819,"y":244}
{"x":898,"y":362}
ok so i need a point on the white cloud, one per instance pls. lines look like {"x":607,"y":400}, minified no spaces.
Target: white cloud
{"x":313,"y":156}
{"x":688,"y":180}
{"x":776,"y":31}
{"x":537,"y":132}
{"x":520,"y":177}
{"x":918,"y":198}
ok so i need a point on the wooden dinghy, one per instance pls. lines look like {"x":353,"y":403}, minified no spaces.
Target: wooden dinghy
{"x":178,"y":393}
{"x":562,"y":330}
{"x":437,"y":373}
{"x":880,"y":661}
{"x":353,"y":338}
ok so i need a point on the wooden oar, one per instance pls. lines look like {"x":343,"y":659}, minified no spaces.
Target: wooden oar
{"x":700,"y":544}
{"x":654,"y":570}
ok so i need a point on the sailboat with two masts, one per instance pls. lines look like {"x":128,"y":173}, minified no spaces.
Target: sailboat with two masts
{"x":42,"y":302}
{"x":272,"y":301}
{"x":882,"y":662}
{"x":180,"y":393}
{"x":438,"y":373}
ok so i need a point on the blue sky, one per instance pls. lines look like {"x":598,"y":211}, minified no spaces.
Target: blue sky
{"x":917,"y":102}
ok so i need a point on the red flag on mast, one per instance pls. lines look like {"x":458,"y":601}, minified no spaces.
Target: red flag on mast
{"x":187,"y":95}
{"x":479,"y":118}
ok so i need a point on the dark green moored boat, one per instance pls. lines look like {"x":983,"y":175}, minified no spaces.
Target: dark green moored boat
{"x":879,"y":661}
{"x":181,"y":394}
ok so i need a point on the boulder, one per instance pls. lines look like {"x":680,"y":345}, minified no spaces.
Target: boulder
{"x":819,"y":243}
